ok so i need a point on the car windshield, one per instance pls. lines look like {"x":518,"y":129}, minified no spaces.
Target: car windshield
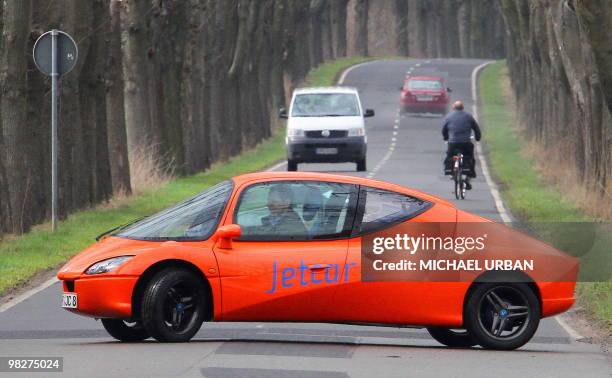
{"x":424,"y":84}
{"x":193,"y":219}
{"x":325,"y":104}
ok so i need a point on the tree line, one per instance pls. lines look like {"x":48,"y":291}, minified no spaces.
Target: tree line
{"x":560,"y":62}
{"x":189,"y":81}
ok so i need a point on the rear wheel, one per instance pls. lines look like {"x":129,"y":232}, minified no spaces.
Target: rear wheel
{"x":361,"y":165}
{"x":457,"y":178}
{"x":453,"y":338}
{"x":502,"y":316}
{"x":174,"y":305}
{"x":292,"y":165}
{"x":123,"y":330}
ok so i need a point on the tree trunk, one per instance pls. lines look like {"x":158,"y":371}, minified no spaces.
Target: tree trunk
{"x":137,"y":112}
{"x":339,"y":26}
{"x":13,"y":107}
{"x":115,"y":111}
{"x":360,"y":41}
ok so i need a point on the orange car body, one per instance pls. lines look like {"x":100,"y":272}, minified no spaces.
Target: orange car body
{"x":250,"y":281}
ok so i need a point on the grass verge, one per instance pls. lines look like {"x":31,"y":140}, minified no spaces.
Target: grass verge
{"x":526,"y":194}
{"x":24,"y":256}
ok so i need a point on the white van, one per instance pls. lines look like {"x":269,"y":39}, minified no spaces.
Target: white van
{"x":326,"y":125}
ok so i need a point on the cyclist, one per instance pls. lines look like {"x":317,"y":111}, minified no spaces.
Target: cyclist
{"x":457,"y":130}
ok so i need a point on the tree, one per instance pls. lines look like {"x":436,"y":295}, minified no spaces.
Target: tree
{"x":115,"y":111}
{"x":16,"y":18}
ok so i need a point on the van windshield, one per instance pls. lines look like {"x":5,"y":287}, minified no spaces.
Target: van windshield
{"x":325,"y":105}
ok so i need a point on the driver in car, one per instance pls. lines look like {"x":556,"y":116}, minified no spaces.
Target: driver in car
{"x":282,"y":220}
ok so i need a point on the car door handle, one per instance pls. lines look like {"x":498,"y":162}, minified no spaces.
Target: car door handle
{"x":318,"y":267}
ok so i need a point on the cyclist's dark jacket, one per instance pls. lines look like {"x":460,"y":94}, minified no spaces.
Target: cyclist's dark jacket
{"x":458,"y":126}
{"x":457,"y":130}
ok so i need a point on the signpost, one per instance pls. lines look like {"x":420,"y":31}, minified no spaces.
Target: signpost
{"x":55,"y":54}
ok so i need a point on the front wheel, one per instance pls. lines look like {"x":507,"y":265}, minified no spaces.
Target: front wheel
{"x":123,"y":330}
{"x":174,"y":305}
{"x":361,"y":165}
{"x":502,"y":316}
{"x":292,"y":165}
{"x":451,"y":337}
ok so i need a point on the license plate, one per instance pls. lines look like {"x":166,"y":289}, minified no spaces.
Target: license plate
{"x":424,"y":98}
{"x":69,"y":301}
{"x":327,"y":151}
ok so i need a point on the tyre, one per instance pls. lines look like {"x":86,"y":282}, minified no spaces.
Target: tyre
{"x":292,"y":165}
{"x":174,"y":305}
{"x":361,"y":165}
{"x":125,"y":331}
{"x":457,"y":179}
{"x":502,"y":316}
{"x":451,"y":337}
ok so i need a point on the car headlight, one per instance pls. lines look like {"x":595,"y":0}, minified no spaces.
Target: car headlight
{"x":295,"y":132}
{"x":360,"y":131}
{"x":107,"y":265}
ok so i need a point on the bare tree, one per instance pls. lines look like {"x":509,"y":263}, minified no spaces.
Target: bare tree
{"x":115,"y":111}
{"x":16,"y":18}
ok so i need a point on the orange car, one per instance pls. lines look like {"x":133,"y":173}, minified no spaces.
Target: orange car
{"x":289,"y":247}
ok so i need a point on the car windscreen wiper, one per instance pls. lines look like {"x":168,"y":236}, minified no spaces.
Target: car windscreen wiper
{"x":99,"y":237}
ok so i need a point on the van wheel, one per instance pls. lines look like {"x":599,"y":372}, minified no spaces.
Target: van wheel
{"x":174,"y":305}
{"x":502,"y":316}
{"x":291,"y":165}
{"x":451,"y":337}
{"x":123,"y":330}
{"x":361,"y":165}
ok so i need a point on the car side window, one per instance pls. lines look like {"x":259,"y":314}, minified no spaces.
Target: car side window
{"x":382,"y":208}
{"x":296,"y":210}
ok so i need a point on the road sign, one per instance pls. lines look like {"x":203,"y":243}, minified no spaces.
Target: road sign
{"x":67,"y":53}
{"x":55,"y":54}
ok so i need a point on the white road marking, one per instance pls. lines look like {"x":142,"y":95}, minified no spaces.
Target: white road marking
{"x":276,"y":166}
{"x":499,"y":204}
{"x":417,"y":65}
{"x":390,"y":150}
{"x":501,"y":209}
{"x":22,"y":297}
{"x":348,"y":70}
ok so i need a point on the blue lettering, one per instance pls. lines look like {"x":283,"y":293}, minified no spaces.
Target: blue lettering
{"x":346,"y":271}
{"x":273,"y":289}
{"x":288,"y":274}
{"x":302,"y":270}
{"x":328,"y":270}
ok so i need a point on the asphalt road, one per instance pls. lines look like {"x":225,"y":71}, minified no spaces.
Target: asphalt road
{"x":401,"y":148}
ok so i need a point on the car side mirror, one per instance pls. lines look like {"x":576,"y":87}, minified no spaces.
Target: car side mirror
{"x":449,"y":90}
{"x":400,"y":89}
{"x":282,"y":113}
{"x":369,"y":113}
{"x":225,"y":235}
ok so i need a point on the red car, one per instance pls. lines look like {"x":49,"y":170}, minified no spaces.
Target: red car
{"x":425,"y":94}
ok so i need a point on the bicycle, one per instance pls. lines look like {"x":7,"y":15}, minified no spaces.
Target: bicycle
{"x":459,"y":176}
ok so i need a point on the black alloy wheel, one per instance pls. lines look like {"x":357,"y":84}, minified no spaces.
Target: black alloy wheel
{"x":502,"y":316}
{"x":174,"y":305}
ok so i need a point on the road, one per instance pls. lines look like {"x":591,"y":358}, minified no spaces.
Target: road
{"x":403,"y":149}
